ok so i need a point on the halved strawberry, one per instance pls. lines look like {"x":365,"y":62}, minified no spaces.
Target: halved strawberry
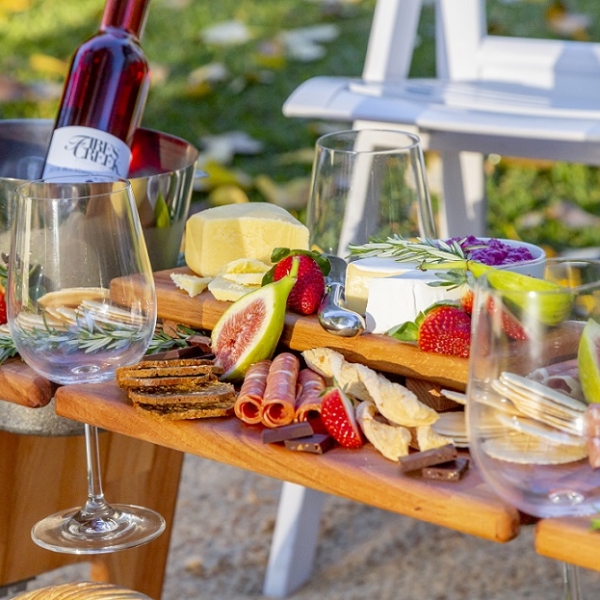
{"x":337,"y":414}
{"x":445,"y":329}
{"x":466,"y":300}
{"x":510,"y":324}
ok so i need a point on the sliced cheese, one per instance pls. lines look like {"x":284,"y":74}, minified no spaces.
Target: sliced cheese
{"x":398,"y":299}
{"x":192,"y":284}
{"x":229,"y":291}
{"x":244,"y":265}
{"x":217,"y":236}
{"x":245,"y":271}
{"x":359,"y":274}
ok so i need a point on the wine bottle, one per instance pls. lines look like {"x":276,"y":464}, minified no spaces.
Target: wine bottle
{"x":103,"y":97}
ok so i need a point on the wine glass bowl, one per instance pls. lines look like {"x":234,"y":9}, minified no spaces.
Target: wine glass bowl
{"x":66,"y":250}
{"x":367,"y":183}
{"x":527,"y":407}
{"x":71,"y":238}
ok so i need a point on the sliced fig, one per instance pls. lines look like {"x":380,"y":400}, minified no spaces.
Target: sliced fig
{"x":249,"y":330}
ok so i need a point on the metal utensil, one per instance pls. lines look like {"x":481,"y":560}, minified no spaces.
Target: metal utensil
{"x":333,"y":317}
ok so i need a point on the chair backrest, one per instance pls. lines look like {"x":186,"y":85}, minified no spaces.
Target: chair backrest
{"x":466,"y":52}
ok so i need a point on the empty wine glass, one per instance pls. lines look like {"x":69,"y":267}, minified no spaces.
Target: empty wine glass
{"x":72,"y":237}
{"x":530,"y":382}
{"x":367,"y":183}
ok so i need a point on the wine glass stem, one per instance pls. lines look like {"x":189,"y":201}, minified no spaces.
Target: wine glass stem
{"x":95,"y":500}
{"x":571,"y":579}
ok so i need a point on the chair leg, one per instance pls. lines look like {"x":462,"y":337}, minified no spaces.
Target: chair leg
{"x":294,"y":541}
{"x":464,"y":207}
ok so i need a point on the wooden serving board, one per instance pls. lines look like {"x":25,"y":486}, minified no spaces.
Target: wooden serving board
{"x":19,"y":384}
{"x":302,"y":333}
{"x":468,"y":505}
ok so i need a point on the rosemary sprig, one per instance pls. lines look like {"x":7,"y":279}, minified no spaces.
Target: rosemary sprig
{"x":92,"y":341}
{"x":448,"y":258}
{"x":162,"y":341}
{"x":425,"y":251}
{"x":7,"y":346}
{"x":86,"y":334}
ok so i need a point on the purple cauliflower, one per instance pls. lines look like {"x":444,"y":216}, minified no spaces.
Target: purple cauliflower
{"x":492,"y":252}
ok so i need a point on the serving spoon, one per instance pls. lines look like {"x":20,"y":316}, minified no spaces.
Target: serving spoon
{"x":333,"y":317}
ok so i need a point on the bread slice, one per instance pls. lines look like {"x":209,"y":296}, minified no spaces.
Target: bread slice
{"x":188,"y":413}
{"x":168,"y":368}
{"x":216,"y":399}
{"x":161,"y":385}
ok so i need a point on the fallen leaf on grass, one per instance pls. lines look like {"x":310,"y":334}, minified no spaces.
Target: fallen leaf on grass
{"x":228,"y":33}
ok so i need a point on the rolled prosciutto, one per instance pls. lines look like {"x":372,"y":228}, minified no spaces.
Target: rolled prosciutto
{"x":562,"y":376}
{"x":308,"y":395}
{"x":248,"y":406}
{"x":279,"y":400}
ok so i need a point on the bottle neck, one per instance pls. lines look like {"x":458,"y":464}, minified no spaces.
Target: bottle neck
{"x":128,"y":15}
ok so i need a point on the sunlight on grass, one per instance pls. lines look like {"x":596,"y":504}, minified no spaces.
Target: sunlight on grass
{"x":205,"y":86}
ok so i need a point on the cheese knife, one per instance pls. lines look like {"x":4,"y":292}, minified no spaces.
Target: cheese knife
{"x":332,"y":316}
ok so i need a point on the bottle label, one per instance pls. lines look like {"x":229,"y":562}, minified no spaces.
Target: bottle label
{"x":75,"y":149}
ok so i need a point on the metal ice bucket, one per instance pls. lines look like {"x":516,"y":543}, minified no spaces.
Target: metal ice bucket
{"x":162,"y":174}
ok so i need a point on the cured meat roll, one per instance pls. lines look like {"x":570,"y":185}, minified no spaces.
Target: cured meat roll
{"x":279,"y":400}
{"x":308,"y":396}
{"x":562,"y":376}
{"x":248,"y":406}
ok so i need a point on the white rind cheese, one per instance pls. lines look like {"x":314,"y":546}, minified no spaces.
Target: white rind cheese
{"x":396,"y":300}
{"x":217,"y":236}
{"x":361,"y":272}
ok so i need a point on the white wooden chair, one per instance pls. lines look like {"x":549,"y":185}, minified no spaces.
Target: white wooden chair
{"x":511,"y":96}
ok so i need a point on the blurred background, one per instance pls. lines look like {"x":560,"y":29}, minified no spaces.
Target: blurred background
{"x":222,"y":70}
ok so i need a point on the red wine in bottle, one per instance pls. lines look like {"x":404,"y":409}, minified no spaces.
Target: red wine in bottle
{"x":103,"y":97}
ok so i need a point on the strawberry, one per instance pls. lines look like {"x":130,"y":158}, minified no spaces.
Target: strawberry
{"x":3,"y":318}
{"x":445,"y":329}
{"x":337,"y":414}
{"x":510,"y":323}
{"x":308,"y":290}
{"x":466,"y":301}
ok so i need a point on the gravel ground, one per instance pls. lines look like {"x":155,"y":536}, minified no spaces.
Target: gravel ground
{"x":223,"y":528}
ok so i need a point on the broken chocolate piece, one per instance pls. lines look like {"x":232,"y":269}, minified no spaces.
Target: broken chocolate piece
{"x":316,"y":444}
{"x":200,"y":341}
{"x":452,"y":470}
{"x":287,"y":432}
{"x":427,"y":458}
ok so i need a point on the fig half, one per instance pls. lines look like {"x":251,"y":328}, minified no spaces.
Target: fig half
{"x":249,"y":330}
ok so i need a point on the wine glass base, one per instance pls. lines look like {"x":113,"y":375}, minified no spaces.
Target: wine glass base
{"x":127,"y":526}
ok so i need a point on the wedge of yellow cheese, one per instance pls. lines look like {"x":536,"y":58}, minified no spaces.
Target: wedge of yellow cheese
{"x":217,"y":236}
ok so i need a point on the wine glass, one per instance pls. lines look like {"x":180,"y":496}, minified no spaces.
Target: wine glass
{"x":71,"y":237}
{"x":367,"y":183}
{"x":532,"y":375}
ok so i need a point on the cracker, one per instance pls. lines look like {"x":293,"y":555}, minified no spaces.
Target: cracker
{"x":73,"y":297}
{"x":524,"y":448}
{"x":536,"y":428}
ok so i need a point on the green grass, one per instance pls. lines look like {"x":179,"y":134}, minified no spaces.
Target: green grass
{"x":251,"y":97}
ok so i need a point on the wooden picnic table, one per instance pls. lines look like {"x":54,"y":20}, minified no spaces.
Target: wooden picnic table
{"x":363,"y":475}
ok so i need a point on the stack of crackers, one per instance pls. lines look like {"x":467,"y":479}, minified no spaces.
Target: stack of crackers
{"x":185,"y":388}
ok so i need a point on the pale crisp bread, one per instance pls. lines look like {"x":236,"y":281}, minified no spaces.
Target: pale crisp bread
{"x":523,"y":448}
